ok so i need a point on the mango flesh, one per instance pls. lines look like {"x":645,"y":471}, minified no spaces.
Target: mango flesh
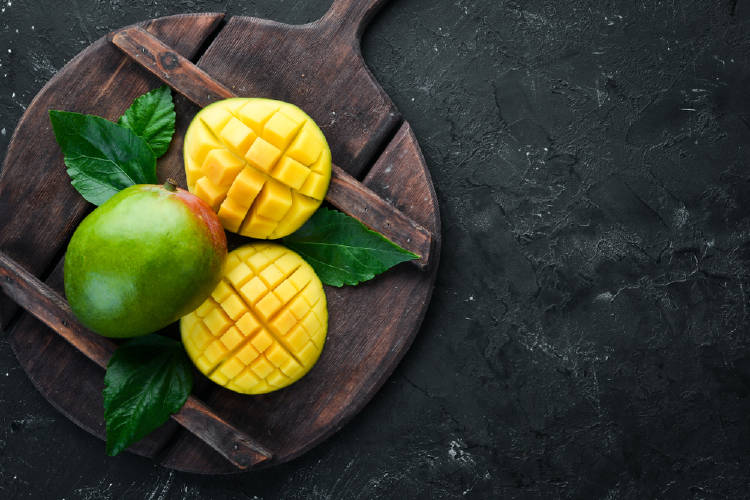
{"x":263,"y":165}
{"x":142,"y":260}
{"x":264,"y":325}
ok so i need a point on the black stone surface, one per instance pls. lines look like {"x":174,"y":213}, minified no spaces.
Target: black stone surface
{"x":588,"y":336}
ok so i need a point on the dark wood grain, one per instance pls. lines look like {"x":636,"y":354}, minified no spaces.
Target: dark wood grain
{"x":349,"y":18}
{"x":50,"y":308}
{"x":345,"y":193}
{"x":317,"y":66}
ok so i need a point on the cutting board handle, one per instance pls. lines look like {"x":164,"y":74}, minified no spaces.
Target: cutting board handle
{"x":350,"y":17}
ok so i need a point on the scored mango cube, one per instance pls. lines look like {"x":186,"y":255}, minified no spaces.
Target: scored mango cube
{"x":246,"y":187}
{"x":291,"y":172}
{"x":276,"y":378}
{"x":221,"y":292}
{"x":233,"y":306}
{"x":263,"y":155}
{"x":253,"y":290}
{"x":232,"y":368}
{"x":301,"y":210}
{"x":256,"y":112}
{"x":232,"y":338}
{"x":258,"y":225}
{"x":231,"y":214}
{"x":246,"y":379}
{"x":221,"y":167}
{"x":274,"y":201}
{"x":258,"y":332}
{"x":315,"y":186}
{"x":237,"y":136}
{"x":193,"y":172}
{"x":215,"y":119}
{"x":202,"y":336}
{"x":261,"y":367}
{"x":197,"y":150}
{"x":209,"y":192}
{"x":280,"y":130}
{"x":306,"y":148}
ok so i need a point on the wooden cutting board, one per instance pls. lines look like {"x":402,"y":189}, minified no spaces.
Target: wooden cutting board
{"x":316,"y":66}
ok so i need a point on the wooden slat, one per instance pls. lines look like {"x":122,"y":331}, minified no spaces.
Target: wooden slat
{"x":345,"y":193}
{"x":169,"y":66}
{"x":50,"y":308}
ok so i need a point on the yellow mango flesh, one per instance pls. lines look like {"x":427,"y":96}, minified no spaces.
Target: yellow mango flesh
{"x":264,"y":166}
{"x":264,"y":325}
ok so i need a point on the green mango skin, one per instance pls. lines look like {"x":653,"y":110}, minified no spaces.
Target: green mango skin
{"x":143,"y":259}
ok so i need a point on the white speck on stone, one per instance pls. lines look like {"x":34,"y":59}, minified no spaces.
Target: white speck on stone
{"x":13,"y":95}
{"x":681,"y":216}
{"x":604,"y":297}
{"x":32,"y":27}
{"x":412,"y":99}
{"x":10,"y":51}
{"x":457,"y":452}
{"x":471,"y":298}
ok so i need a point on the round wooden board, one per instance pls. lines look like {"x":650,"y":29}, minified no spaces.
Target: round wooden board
{"x":371,"y":325}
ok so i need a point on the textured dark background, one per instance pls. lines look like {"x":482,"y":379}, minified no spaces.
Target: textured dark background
{"x":588,"y":336}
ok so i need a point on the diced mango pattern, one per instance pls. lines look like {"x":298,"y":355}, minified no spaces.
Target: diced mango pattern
{"x":265,"y":324}
{"x":263,"y":165}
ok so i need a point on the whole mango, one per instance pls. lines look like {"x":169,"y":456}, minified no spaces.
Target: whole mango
{"x":143,"y":259}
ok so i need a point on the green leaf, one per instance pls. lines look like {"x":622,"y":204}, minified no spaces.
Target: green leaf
{"x":151,"y":117}
{"x":147,"y":379}
{"x":102,"y":157}
{"x":342,"y":250}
